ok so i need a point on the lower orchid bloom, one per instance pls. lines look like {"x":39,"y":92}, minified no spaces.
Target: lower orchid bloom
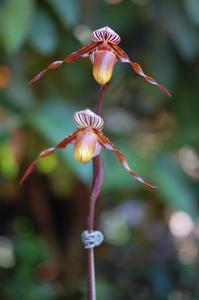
{"x":104,"y":53}
{"x":88,"y":141}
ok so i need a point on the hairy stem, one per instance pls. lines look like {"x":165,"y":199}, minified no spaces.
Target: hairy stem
{"x":95,"y":191}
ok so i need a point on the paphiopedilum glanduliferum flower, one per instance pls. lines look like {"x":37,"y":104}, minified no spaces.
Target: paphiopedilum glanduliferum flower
{"x":104,"y":53}
{"x":88,"y":141}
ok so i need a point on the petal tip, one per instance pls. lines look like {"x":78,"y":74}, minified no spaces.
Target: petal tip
{"x":153,"y":187}
{"x":165,"y":91}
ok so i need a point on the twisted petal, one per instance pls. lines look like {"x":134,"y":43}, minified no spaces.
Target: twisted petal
{"x":54,"y":65}
{"x":62,"y":144}
{"x":138,"y":70}
{"x":123,"y":57}
{"x":106,"y":143}
{"x":85,"y":51}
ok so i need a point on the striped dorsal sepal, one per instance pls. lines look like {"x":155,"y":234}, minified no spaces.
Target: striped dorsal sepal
{"x":106,"y":34}
{"x":86,"y":118}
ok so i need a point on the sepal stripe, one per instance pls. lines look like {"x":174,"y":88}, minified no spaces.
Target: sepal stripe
{"x":86,"y":118}
{"x":106,"y":34}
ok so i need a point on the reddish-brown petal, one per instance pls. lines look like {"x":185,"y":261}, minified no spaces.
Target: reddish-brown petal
{"x":62,"y":144}
{"x":85,"y":51}
{"x":120,"y":54}
{"x":52,"y":66}
{"x":123,"y":57}
{"x":106,"y":143}
{"x":31,"y":167}
{"x":67,"y":140}
{"x":138,"y":70}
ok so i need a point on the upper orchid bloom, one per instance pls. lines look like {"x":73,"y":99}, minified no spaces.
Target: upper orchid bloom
{"x":104,"y":53}
{"x":88,"y":141}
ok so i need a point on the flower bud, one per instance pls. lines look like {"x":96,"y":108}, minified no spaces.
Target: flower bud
{"x":103,"y":62}
{"x":86,"y":146}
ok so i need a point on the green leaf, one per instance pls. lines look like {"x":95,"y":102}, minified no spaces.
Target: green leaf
{"x":15,"y":21}
{"x":173,"y":188}
{"x":192,"y":8}
{"x":184,"y":35}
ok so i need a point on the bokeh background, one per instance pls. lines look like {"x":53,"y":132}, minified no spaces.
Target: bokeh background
{"x":151,"y":248}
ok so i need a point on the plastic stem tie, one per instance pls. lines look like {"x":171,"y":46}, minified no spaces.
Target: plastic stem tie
{"x":91,"y":239}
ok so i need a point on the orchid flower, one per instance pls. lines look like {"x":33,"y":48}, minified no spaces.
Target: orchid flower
{"x":104,"y":53}
{"x":88,"y":141}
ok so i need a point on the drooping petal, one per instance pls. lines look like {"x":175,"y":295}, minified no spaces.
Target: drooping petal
{"x":106,"y":143}
{"x":138,"y":70}
{"x":103,"y":63}
{"x":62,"y":144}
{"x":31,"y":167}
{"x":54,"y":65}
{"x":83,"y":52}
{"x":86,"y":146}
{"x":123,"y":57}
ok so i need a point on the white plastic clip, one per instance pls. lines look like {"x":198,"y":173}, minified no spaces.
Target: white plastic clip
{"x":91,"y":239}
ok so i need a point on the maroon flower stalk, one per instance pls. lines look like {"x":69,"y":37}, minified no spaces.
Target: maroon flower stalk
{"x":98,"y":174}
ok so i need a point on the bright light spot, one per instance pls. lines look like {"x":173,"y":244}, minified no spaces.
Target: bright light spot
{"x":7,"y":259}
{"x":82,"y":33}
{"x":189,"y":161}
{"x":181,"y":224}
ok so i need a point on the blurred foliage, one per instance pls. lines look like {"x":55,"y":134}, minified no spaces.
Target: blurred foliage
{"x":144,"y":260}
